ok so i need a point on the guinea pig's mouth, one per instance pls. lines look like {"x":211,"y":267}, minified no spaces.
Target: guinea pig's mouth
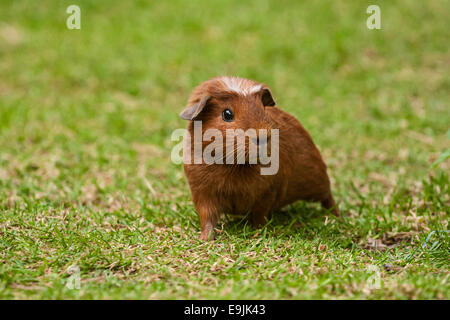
{"x":237,"y":148}
{"x":248,"y":153}
{"x":258,"y":141}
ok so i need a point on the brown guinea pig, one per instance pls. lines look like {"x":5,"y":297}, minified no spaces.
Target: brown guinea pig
{"x":222,"y":184}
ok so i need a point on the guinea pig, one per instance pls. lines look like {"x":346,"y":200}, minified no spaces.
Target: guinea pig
{"x":227,"y":186}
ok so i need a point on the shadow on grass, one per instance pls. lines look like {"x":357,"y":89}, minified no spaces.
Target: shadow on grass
{"x":303,"y":220}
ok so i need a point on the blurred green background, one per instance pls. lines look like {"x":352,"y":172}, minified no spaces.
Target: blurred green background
{"x":85,"y":123}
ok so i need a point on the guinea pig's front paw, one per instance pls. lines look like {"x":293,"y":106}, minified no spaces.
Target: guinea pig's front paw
{"x":207,"y":235}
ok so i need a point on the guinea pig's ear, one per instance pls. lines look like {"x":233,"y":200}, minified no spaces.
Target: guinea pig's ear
{"x":191,"y":112}
{"x":266,"y":97}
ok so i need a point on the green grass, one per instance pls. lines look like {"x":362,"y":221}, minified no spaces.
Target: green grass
{"x":85,"y":172}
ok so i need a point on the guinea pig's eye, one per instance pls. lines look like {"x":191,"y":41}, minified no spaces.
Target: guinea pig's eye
{"x":227,"y":115}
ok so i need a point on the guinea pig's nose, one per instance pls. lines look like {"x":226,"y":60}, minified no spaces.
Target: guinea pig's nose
{"x":259,"y":141}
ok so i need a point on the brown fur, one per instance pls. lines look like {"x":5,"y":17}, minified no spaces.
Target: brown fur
{"x":240,"y":189}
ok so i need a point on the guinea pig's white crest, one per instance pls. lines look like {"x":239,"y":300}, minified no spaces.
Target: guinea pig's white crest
{"x":240,"y":85}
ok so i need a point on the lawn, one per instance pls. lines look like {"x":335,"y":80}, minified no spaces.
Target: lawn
{"x":88,"y":190}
